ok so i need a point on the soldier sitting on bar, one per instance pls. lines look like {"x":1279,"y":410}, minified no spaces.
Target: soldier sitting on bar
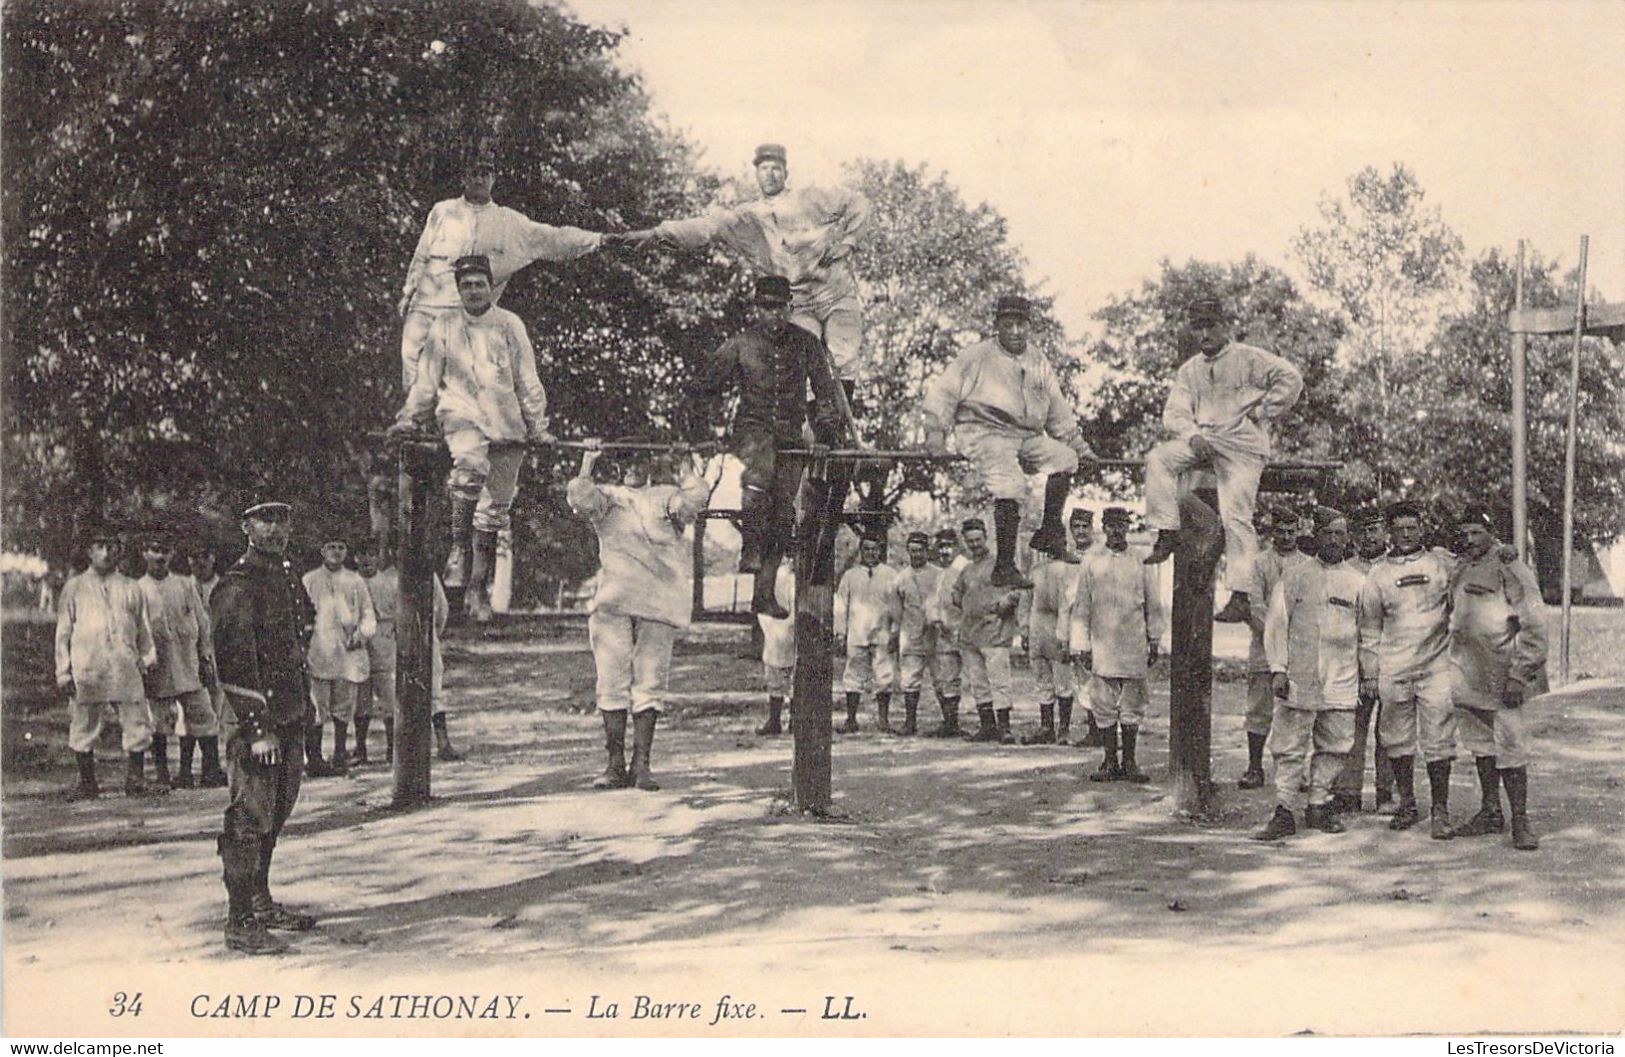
{"x":772,"y":363}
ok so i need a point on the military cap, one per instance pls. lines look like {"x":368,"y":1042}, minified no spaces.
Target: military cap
{"x":364,"y":545}
{"x":474,"y":262}
{"x":948,"y":533}
{"x":1324,"y":516}
{"x":1081,"y":513}
{"x":973,"y":523}
{"x":1367,"y":515}
{"x":262,"y":505}
{"x":918,"y":537}
{"x":1476,"y":514}
{"x":1403,"y":508}
{"x":1012,"y":305}
{"x":157,"y":537}
{"x":770,"y":152}
{"x":335,"y":532}
{"x":102,"y":532}
{"x":1206,"y":310}
{"x":772,"y":290}
{"x":1116,"y":515}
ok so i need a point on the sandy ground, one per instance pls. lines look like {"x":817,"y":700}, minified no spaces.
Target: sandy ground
{"x":970,"y":889}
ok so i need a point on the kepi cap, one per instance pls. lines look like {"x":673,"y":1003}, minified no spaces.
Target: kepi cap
{"x":772,"y":290}
{"x":770,"y":152}
{"x":1013,"y":305}
{"x":474,"y":262}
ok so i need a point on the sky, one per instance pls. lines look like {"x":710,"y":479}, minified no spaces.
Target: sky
{"x":1113,"y":135}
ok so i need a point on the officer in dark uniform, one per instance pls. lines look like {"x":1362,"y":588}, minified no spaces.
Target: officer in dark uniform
{"x":261,"y":619}
{"x":772,"y":363}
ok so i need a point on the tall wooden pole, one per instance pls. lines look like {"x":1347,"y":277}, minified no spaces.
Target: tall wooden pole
{"x":823,"y":499}
{"x":1520,"y":425}
{"x":1190,"y":664}
{"x":422,"y":473}
{"x":1569,"y":451}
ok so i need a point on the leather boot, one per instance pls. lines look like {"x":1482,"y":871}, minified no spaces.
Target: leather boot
{"x":462,"y":537}
{"x":883,"y":712}
{"x":643,"y":739}
{"x":753,"y":503}
{"x":341,"y":748}
{"x":949,"y":727}
{"x":1108,"y":771}
{"x":1091,"y":739}
{"x":1489,"y":818}
{"x":1006,"y":524}
{"x":87,"y":789}
{"x":987,"y":724}
{"x":615,"y":775}
{"x":239,"y":866}
{"x":1253,"y":776}
{"x":1236,"y":611}
{"x":1516,"y":781}
{"x":183,"y":774}
{"x":363,"y":724}
{"x":315,"y":765}
{"x":389,"y":740}
{"x":477,"y":597}
{"x":1439,"y":794}
{"x":1324,"y":818}
{"x":775,"y":710}
{"x":1131,"y":767}
{"x":213,"y":776}
{"x":269,"y":912}
{"x":160,"y":760}
{"x":134,"y":782}
{"x":764,"y":599}
{"x":1063,"y":721}
{"x":1050,"y":538}
{"x":1383,"y":766}
{"x":1163,"y":549}
{"x":1046,"y":727}
{"x":853,"y":700}
{"x":444,"y":750}
{"x":911,"y":712}
{"x":1406,"y":815}
{"x":1281,"y":824}
{"x":1002,"y":720}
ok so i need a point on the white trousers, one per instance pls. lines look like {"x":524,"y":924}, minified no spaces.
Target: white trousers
{"x":1238,"y":472}
{"x":633,"y":659}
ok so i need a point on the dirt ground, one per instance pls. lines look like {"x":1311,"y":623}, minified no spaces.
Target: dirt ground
{"x":971,"y":889}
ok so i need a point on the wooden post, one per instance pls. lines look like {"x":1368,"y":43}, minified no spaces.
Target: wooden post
{"x":1190,"y":664}
{"x":423,"y":468}
{"x":815,"y":636}
{"x":1569,"y":454}
{"x":1520,"y":426}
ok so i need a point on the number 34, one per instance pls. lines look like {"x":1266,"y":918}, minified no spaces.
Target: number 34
{"x":125,"y":1003}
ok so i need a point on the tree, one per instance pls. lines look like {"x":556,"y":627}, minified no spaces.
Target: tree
{"x":1391,"y":266}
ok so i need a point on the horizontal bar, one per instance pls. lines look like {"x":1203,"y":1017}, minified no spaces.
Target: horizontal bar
{"x":1599,"y":318}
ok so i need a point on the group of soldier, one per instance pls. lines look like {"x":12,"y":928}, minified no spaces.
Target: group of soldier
{"x":269,"y":662}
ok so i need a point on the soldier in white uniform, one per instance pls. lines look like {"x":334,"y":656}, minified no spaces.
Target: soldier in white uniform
{"x":1404,"y":635}
{"x":103,"y":648}
{"x":1117,"y":622}
{"x":945,"y":662}
{"x":1268,"y":569}
{"x":1497,"y":664}
{"x":1370,"y":542}
{"x":806,"y":234}
{"x":779,"y":647}
{"x":182,"y":638}
{"x":866,"y":625}
{"x":983,"y":616}
{"x":1219,"y":410}
{"x":1311,"y":636}
{"x":642,"y":601}
{"x":915,"y":587}
{"x":336,"y":659}
{"x":1082,"y":523}
{"x":1004,"y":403}
{"x":1053,"y":581}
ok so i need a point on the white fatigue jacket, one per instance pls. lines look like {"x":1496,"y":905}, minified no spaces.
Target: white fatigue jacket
{"x":982,"y":615}
{"x":1268,"y":569}
{"x":936,"y":608}
{"x":384,"y":588}
{"x":343,"y":610}
{"x":1117,"y":613}
{"x":103,"y":638}
{"x":1312,"y":634}
{"x":1053,"y":583}
{"x":181,"y":634}
{"x":866,"y":605}
{"x":989,"y":387}
{"x":479,"y":372}
{"x":914,"y":589}
{"x":787,"y":234}
{"x":1229,"y":396}
{"x":646,"y":564}
{"x":1497,"y":631}
{"x":779,"y":633}
{"x":509,"y":239}
{"x":1405,"y":614}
